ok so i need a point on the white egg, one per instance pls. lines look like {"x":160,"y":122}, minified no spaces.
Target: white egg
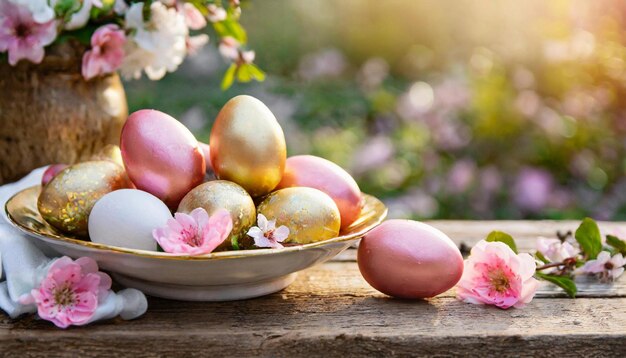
{"x":126,"y":218}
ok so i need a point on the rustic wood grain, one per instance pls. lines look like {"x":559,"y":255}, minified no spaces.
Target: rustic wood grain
{"x":331,"y":311}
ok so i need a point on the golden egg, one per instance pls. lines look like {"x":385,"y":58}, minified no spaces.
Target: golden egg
{"x":310,"y":214}
{"x":222,"y":194}
{"x":66,"y":201}
{"x":110,"y":152}
{"x":248,"y":145}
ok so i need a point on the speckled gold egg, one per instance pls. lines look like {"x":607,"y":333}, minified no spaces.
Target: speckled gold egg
{"x":66,"y":201}
{"x":248,"y":145}
{"x":310,"y":214}
{"x":112,"y":152}
{"x":222,"y":194}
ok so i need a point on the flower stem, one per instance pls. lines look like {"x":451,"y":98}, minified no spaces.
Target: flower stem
{"x":547,"y":266}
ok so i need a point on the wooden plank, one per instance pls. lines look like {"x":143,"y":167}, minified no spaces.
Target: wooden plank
{"x":330,"y":310}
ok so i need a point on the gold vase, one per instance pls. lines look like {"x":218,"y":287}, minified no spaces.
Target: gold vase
{"x":50,"y":114}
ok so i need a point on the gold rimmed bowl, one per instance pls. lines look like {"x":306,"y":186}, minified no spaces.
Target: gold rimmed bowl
{"x":219,"y":276}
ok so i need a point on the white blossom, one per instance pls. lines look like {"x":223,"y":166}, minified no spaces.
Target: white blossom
{"x":157,"y":46}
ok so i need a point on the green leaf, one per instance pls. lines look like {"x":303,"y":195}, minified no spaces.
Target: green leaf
{"x":232,"y":28}
{"x":542,"y":258}
{"x":564,"y":282}
{"x":256,"y":73}
{"x":243,"y":73}
{"x":617,"y":243}
{"x":107,"y":7}
{"x":65,"y":7}
{"x":229,"y":77}
{"x":234,"y":241}
{"x":83,"y":35}
{"x":588,"y":236}
{"x":499,"y":236}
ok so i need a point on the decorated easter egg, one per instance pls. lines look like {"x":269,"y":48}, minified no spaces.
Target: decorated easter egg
{"x":248,"y":145}
{"x":110,"y":152}
{"x":50,"y":172}
{"x":222,"y":194}
{"x":126,"y":218}
{"x":206,"y":150}
{"x":322,"y":174}
{"x":66,"y":201}
{"x":310,"y":214}
{"x":409,"y":259}
{"x":161,"y":155}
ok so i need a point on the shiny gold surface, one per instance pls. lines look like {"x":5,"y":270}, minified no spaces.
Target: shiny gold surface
{"x":248,"y":146}
{"x":110,"y":152}
{"x":310,"y":214}
{"x":23,"y":214}
{"x":218,"y":194}
{"x":66,"y":201}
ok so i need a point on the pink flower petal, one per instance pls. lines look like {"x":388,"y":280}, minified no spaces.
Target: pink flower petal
{"x":193,"y":17}
{"x":495,"y":275}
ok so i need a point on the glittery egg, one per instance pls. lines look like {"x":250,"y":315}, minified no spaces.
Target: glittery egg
{"x":126,"y":218}
{"x":409,"y":259}
{"x":248,"y":145}
{"x":222,"y":194}
{"x":50,"y":173}
{"x":310,"y":214}
{"x":161,"y":156}
{"x":66,"y":201}
{"x":322,"y":174}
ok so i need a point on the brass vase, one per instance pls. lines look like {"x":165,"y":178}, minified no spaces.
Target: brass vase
{"x":50,"y":114}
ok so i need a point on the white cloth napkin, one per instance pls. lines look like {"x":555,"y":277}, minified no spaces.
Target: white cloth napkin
{"x":22,"y":266}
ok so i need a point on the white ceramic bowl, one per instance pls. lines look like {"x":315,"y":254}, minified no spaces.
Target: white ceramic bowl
{"x":220,"y":276}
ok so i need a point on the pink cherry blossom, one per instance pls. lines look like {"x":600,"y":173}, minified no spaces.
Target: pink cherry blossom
{"x":216,"y":13}
{"x":606,"y":266}
{"x":229,"y":48}
{"x":193,"y":16}
{"x":107,"y":51}
{"x":70,"y":292}
{"x":194,"y":234}
{"x":495,"y":275}
{"x":195,"y":43}
{"x":21,"y":35}
{"x":266,"y":234}
{"x":555,"y":250}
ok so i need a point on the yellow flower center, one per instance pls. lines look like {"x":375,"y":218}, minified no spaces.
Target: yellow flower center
{"x":64,"y":296}
{"x":499,"y":281}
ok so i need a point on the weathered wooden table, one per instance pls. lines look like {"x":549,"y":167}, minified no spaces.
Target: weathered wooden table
{"x":331,"y":311}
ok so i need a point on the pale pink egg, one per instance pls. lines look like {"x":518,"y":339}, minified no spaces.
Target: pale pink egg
{"x":161,"y":156}
{"x":326,"y":176}
{"x":52,"y":170}
{"x":409,"y":259}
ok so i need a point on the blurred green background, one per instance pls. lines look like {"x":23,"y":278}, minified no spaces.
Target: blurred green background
{"x":445,"y":109}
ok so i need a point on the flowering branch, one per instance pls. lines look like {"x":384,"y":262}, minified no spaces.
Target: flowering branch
{"x":496,"y":274}
{"x":134,"y":37}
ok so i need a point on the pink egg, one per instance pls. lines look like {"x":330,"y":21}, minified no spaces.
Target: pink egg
{"x":409,"y":259}
{"x":326,"y":176}
{"x":161,"y":155}
{"x":206,"y":150}
{"x":52,"y":170}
